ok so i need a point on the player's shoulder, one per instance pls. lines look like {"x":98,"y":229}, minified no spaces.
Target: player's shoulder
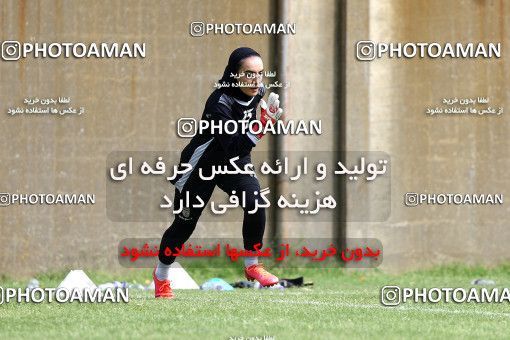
{"x":219,"y":99}
{"x":226,"y":100}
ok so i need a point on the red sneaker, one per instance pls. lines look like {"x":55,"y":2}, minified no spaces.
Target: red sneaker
{"x":162,"y":287}
{"x":257,"y":272}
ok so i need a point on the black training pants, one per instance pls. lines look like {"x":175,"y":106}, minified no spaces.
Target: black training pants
{"x":185,"y":222}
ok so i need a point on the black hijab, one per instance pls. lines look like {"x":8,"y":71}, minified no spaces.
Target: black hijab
{"x":232,"y":68}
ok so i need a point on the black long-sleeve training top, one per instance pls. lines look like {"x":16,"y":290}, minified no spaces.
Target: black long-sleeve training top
{"x":212,"y":148}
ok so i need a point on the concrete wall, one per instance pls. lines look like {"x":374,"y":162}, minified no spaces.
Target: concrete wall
{"x":310,"y":71}
{"x":433,"y":154}
{"x":133,"y":105}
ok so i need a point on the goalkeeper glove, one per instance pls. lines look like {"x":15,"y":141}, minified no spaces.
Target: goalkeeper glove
{"x":269,"y":112}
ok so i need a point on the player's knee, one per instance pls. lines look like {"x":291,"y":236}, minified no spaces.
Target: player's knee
{"x":188,"y":216}
{"x":253,"y":205}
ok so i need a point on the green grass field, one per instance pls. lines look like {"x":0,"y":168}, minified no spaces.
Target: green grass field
{"x":341,"y":304}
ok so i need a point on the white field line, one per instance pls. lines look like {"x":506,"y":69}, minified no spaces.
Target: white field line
{"x":396,"y":308}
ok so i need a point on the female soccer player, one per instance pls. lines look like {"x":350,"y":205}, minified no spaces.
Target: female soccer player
{"x":231,"y":103}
